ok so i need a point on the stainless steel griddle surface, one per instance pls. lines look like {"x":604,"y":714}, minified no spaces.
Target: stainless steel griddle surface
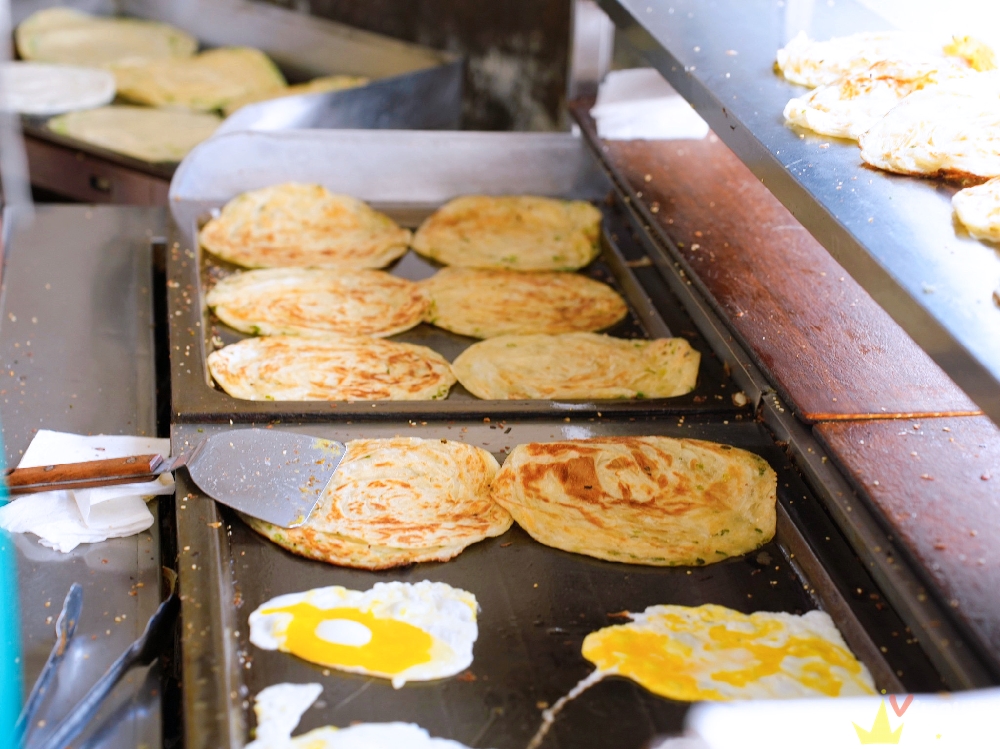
{"x":537,"y":605}
{"x":197,"y":332}
{"x":894,"y":234}
{"x":76,"y":342}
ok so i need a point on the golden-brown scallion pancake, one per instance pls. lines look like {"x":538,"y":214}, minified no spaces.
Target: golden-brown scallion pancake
{"x":67,"y":36}
{"x":303,"y":225}
{"x":317,"y":302}
{"x":485,"y":303}
{"x":951,"y":130}
{"x":205,"y":82}
{"x":334,"y":368}
{"x":643,"y":500}
{"x":851,"y":105}
{"x":157,"y":135}
{"x":577,"y":366}
{"x":978,"y":208}
{"x":315,"y":86}
{"x":399,"y":501}
{"x":814,"y":63}
{"x":516,"y":232}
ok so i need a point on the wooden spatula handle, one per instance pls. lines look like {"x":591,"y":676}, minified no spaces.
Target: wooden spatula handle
{"x":87,"y":475}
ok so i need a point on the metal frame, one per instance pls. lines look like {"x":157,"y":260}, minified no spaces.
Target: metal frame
{"x":895,"y":235}
{"x":962,"y":659}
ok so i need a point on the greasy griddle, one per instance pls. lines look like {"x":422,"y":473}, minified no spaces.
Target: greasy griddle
{"x":537,"y":605}
{"x":196,"y":332}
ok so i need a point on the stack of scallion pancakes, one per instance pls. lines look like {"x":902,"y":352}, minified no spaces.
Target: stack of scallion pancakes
{"x":174,"y":97}
{"x":323,"y":313}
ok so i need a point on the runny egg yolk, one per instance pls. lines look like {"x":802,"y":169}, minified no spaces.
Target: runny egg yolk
{"x":350,"y":638}
{"x":668,"y":667}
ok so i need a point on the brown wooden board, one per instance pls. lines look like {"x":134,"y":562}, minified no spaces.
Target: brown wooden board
{"x":936,"y":483}
{"x":828,"y":348}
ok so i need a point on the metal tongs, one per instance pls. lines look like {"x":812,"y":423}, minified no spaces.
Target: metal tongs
{"x":142,"y":652}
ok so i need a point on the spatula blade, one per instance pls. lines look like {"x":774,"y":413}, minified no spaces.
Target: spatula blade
{"x":270,"y":474}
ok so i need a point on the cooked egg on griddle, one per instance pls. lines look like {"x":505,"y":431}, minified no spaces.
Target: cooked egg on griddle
{"x":398,"y":631}
{"x":714,"y":653}
{"x":279,"y":708}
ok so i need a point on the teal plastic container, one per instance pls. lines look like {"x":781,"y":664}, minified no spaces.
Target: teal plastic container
{"x":11,"y":693}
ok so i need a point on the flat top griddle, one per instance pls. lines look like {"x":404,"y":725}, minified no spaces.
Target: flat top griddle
{"x":537,"y":605}
{"x":198,"y":332}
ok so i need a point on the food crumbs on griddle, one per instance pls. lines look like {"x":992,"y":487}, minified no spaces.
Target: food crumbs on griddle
{"x":467,"y":676}
{"x":620,"y":615}
{"x":213,"y":525}
{"x":506,"y":544}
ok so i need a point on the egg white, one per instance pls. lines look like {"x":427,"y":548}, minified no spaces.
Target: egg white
{"x":447,"y":614}
{"x":280,"y":707}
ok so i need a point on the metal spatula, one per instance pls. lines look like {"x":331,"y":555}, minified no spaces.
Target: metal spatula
{"x":273,"y":475}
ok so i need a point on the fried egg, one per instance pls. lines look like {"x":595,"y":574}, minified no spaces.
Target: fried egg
{"x":950,"y":130}
{"x":978,"y":208}
{"x":279,"y":708}
{"x":398,"y":631}
{"x":714,"y":653}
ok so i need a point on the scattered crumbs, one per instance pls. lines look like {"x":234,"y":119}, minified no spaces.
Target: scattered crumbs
{"x":926,"y":477}
{"x":506,"y":544}
{"x":535,"y":585}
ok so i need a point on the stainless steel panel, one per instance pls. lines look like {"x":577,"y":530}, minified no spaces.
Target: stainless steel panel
{"x":537,"y":603}
{"x":76,"y":343}
{"x":894,"y":234}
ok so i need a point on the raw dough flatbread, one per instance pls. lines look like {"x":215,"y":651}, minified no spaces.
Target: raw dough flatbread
{"x":70,"y":37}
{"x":642,"y":500}
{"x":205,"y":82}
{"x":486,"y":303}
{"x":315,"y":86}
{"x":305,"y":226}
{"x":399,"y":501}
{"x":317,"y":302}
{"x":335,"y":368}
{"x":43,"y":89}
{"x":156,"y":135}
{"x":577,"y":366}
{"x":516,"y":232}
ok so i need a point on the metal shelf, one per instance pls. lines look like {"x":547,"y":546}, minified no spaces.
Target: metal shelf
{"x":895,"y":235}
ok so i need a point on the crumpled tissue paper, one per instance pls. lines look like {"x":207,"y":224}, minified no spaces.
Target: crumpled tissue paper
{"x":638,"y":104}
{"x":64,"y":519}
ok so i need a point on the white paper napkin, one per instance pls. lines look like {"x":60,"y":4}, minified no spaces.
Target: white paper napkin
{"x":64,"y":519}
{"x":638,"y":104}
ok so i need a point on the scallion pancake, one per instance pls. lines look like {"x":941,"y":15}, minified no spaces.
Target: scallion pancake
{"x":206,"y":82}
{"x":306,"y":226}
{"x":157,"y":135}
{"x":317,"y":302}
{"x":486,"y":303}
{"x":577,"y":366}
{"x":516,"y":232}
{"x":334,"y":368}
{"x":399,"y":501}
{"x":642,"y":500}
{"x":67,"y":36}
